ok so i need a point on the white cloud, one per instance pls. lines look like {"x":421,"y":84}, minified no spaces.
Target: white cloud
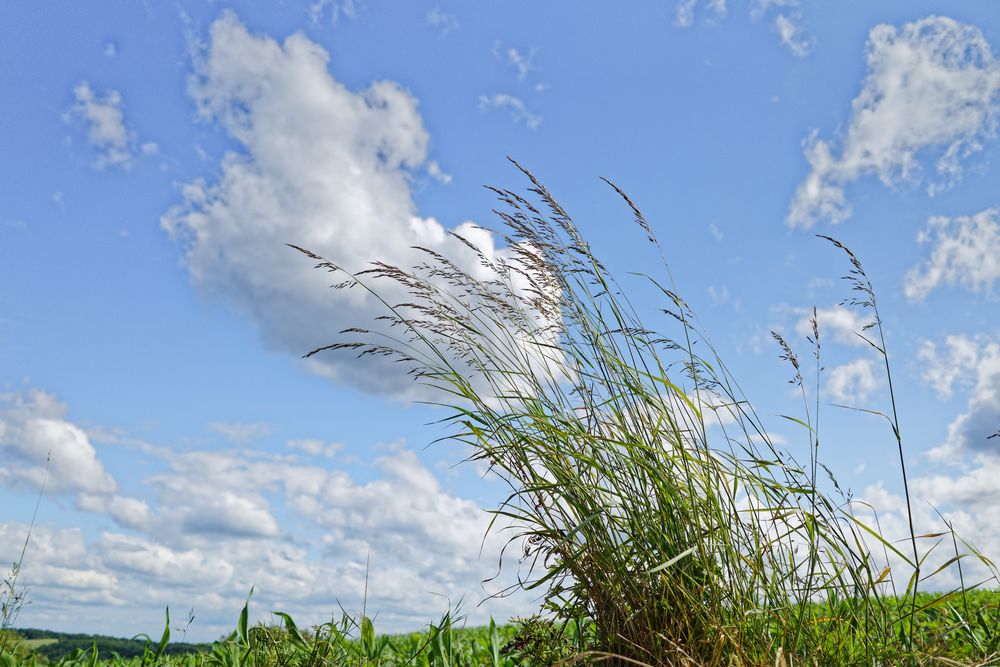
{"x":684,"y":11}
{"x":965,"y":252}
{"x":319,"y":166}
{"x":241,"y":432}
{"x":839,"y":323}
{"x":126,"y":512}
{"x":522,"y":62}
{"x":110,"y":49}
{"x":514,"y":106}
{"x":304,"y":548}
{"x":106,"y":128}
{"x":787,"y":22}
{"x":215,"y":523}
{"x":38,"y":444}
{"x":33,"y":430}
{"x":969,"y":499}
{"x":719,"y":295}
{"x":974,"y":363}
{"x":218,"y":523}
{"x":956,"y":365}
{"x":316,"y":447}
{"x":434,"y":171}
{"x":714,"y":230}
{"x":58,"y":568}
{"x":852,"y":383}
{"x":760,"y":7}
{"x":332,"y":10}
{"x":790,"y":33}
{"x":442,"y":20}
{"x":931,"y":88}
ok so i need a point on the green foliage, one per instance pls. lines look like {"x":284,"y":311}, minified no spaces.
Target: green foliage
{"x":539,"y":642}
{"x":348,"y":642}
{"x":945,"y":633}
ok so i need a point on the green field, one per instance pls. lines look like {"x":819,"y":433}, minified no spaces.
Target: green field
{"x":943,"y":633}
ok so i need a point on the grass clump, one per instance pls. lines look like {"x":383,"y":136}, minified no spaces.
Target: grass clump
{"x":646,"y":496}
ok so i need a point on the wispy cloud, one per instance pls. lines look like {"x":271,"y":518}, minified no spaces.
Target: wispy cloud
{"x":523,"y":63}
{"x":443,"y":21}
{"x":241,"y":432}
{"x":106,"y":129}
{"x":331,"y":11}
{"x":434,"y":171}
{"x":514,"y":107}
{"x":684,"y":11}
{"x":316,"y":447}
{"x":790,"y":32}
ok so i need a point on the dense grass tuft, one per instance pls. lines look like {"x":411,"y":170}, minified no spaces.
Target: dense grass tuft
{"x":645,"y":492}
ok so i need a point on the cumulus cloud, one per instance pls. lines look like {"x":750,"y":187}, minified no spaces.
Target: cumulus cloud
{"x":514,"y":106}
{"x":304,"y":548}
{"x":36,"y":440}
{"x":852,"y":383}
{"x":130,"y":513}
{"x":964,"y":252}
{"x":969,"y":500}
{"x":974,"y":363}
{"x":954,"y":365}
{"x":930,"y":91}
{"x":38,"y":445}
{"x":316,"y":447}
{"x":838,"y":323}
{"x":320,"y":166}
{"x":106,"y":129}
{"x":215,"y":523}
{"x":59,"y":567}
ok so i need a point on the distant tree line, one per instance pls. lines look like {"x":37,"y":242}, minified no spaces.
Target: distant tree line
{"x":65,"y":644}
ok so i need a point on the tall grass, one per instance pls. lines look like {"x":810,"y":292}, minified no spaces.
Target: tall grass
{"x":646,"y":494}
{"x":13,"y":596}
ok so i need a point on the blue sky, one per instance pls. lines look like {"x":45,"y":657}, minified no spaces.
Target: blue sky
{"x":157,"y":157}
